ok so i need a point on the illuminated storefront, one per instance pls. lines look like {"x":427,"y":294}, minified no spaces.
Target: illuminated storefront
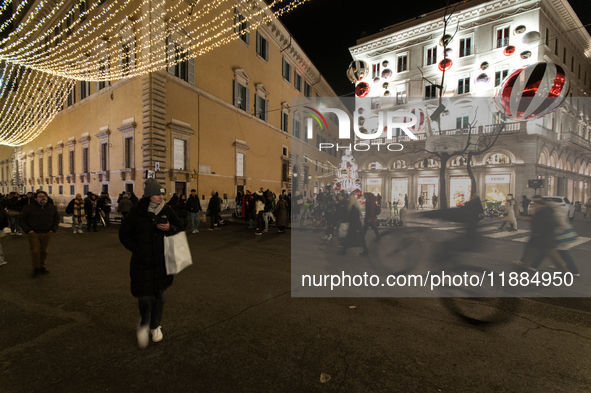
{"x":428,"y":186}
{"x":459,"y":190}
{"x":374,"y":185}
{"x":399,"y":190}
{"x":497,"y":188}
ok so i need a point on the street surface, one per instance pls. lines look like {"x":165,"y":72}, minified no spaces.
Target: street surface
{"x":230,"y":324}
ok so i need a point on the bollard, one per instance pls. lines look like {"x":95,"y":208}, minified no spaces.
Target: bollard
{"x":403,"y":215}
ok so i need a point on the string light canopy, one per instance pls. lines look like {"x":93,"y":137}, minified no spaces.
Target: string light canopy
{"x":128,"y":38}
{"x":52,"y":47}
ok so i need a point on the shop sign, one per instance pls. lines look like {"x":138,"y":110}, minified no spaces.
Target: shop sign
{"x":374,"y":182}
{"x":498,"y":179}
{"x":429,"y":180}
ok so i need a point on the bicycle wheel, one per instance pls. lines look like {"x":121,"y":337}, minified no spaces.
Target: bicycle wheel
{"x":482,"y":310}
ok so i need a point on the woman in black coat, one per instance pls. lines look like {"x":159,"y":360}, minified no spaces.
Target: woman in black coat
{"x":142,"y":232}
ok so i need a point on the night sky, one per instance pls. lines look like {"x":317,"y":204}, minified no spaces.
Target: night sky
{"x":325,"y":29}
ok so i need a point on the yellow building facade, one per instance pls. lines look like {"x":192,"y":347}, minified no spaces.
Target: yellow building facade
{"x":220,"y":122}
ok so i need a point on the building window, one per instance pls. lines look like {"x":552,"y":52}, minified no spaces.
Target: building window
{"x":128,"y":153}
{"x":375,"y":103}
{"x":61,"y":190}
{"x":32,"y":168}
{"x":306,"y":174}
{"x":41,"y":166}
{"x":431,"y":56}
{"x":284,"y":172}
{"x":72,"y":96}
{"x":84,"y":90}
{"x":103,"y":157}
{"x":498,"y":159}
{"x":297,"y":132}
{"x":50,"y":190}
{"x":307,"y":90}
{"x":375,"y":70}
{"x":69,"y":22}
{"x":60,"y":164}
{"x":556,"y":46}
{"x":564,"y":55}
{"x":103,"y":68}
{"x":183,"y":69}
{"x":86,"y":189}
{"x":465,"y":47}
{"x":85,"y":161}
{"x":241,"y":26}
{"x":402,"y":63}
{"x":500,"y":76}
{"x":572,"y":64}
{"x":502,"y":37}
{"x":286,"y":72}
{"x":430,"y":92}
{"x":72,"y":190}
{"x":126,"y":59}
{"x":297,"y":81}
{"x":401,"y":97}
{"x":179,"y":154}
{"x":82,"y":11}
{"x":241,"y":96}
{"x":71,"y":152}
{"x":547,"y":39}
{"x":49,"y":166}
{"x":261,"y":107}
{"x":284,"y":121}
{"x":262,"y":47}
{"x":464,"y":85}
{"x":462,"y":122}
{"x":579,"y":73}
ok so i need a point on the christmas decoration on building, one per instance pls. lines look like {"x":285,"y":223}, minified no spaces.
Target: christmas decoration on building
{"x":482,"y":79}
{"x":347,"y":177}
{"x":533,"y":91}
{"x":385,"y":63}
{"x":484,"y":65}
{"x":519,"y":30}
{"x":357,"y":71}
{"x":362,"y":89}
{"x":445,"y":64}
{"x":525,"y":54}
{"x":445,"y":40}
{"x":387,"y":73}
{"x":509,"y":50}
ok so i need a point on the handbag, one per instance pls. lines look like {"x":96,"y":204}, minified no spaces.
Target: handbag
{"x":567,"y":236}
{"x":343,"y":230}
{"x":177,"y":254}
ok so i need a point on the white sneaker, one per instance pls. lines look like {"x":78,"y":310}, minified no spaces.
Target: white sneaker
{"x":324,"y":237}
{"x":80,"y":231}
{"x":75,"y":231}
{"x":12,"y":233}
{"x":156,"y":334}
{"x":265,"y":231}
{"x":194,"y":231}
{"x":3,"y":263}
{"x":143,"y":337}
{"x":19,"y":233}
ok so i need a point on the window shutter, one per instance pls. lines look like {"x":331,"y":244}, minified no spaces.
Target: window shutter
{"x":247,"y":24}
{"x":191,"y":71}
{"x":170,"y":55}
{"x":267,"y":52}
{"x":282,"y":121}
{"x":236,"y":96}
{"x":293,"y":126}
{"x":266,"y":110}
{"x":246,"y":108}
{"x":258,"y":43}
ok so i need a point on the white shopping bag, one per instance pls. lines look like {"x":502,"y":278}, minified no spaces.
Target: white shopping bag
{"x":177,"y":253}
{"x":343,"y":229}
{"x":68,"y":219}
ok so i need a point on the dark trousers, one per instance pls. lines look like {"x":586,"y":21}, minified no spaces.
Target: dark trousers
{"x":260,"y":221}
{"x":91,"y":221}
{"x":213,"y":219}
{"x":39,"y":243}
{"x":372,"y":226}
{"x":151,"y":309}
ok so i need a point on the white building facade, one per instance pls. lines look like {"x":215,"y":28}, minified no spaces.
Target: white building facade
{"x":493,"y":39}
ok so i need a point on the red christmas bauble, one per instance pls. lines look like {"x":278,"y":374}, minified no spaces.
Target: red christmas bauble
{"x":509,"y":50}
{"x":445,"y":64}
{"x":362,"y":89}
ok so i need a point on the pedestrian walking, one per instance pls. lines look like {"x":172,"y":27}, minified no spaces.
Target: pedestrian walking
{"x":354,"y":236}
{"x":14,"y":206}
{"x":281,"y":214}
{"x":104,"y":204}
{"x":434,"y":199}
{"x":510,"y":217}
{"x":421,"y":201}
{"x":330,"y":212}
{"x":406,"y":200}
{"x":214,"y":210}
{"x":587,"y":208}
{"x":525,"y":205}
{"x":92,"y":211}
{"x":142,"y":232}
{"x":181,"y":211}
{"x":76,"y":209}
{"x":194,"y":209}
{"x":371,"y":218}
{"x":379,"y":199}
{"x":268,"y":212}
{"x":39,"y":220}
{"x":124,"y":206}
{"x":259,"y":206}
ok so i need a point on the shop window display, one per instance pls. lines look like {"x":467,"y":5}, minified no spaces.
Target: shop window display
{"x":498,"y":159}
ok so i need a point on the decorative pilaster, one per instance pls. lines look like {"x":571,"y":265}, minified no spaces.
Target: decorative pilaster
{"x":154,"y":124}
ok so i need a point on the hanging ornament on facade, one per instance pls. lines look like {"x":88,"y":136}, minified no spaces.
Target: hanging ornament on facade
{"x":482,"y":79}
{"x":484,"y":65}
{"x":449,"y":52}
{"x":533,"y":91}
{"x":360,"y":111}
{"x":385,"y":63}
{"x":387,"y":93}
{"x":445,"y":64}
{"x":385,"y":85}
{"x":525,"y":54}
{"x":519,"y":30}
{"x":387,"y":73}
{"x":362,"y":89}
{"x":357,"y":71}
{"x":509,"y":50}
{"x":531,"y":38}
{"x":445,"y":40}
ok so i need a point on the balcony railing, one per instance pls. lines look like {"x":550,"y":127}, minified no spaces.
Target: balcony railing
{"x":480,"y":130}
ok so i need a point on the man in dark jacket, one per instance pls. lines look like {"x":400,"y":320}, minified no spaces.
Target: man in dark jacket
{"x":39,"y":220}
{"x":104,"y":205}
{"x":214,"y":211}
{"x":194,"y":208}
{"x":92,"y":211}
